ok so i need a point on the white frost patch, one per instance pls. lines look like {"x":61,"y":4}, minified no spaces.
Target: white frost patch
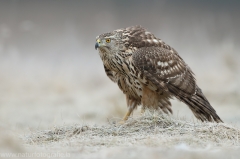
{"x":159,"y":63}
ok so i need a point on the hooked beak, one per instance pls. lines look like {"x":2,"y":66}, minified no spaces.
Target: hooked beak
{"x":97,"y":43}
{"x":96,"y":46}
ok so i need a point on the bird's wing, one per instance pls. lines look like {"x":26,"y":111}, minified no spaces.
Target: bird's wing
{"x":163,"y":65}
{"x":160,"y":65}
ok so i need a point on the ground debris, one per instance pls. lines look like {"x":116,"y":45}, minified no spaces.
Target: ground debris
{"x":144,"y":128}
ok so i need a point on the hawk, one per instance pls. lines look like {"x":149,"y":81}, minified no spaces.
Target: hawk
{"x":150,"y":72}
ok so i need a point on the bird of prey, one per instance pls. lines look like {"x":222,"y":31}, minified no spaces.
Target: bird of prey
{"x":150,"y":72}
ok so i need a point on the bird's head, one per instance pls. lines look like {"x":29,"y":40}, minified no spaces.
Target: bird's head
{"x":110,"y":42}
{"x":126,"y":40}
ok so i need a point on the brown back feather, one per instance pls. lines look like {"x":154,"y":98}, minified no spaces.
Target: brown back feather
{"x":160,"y":65}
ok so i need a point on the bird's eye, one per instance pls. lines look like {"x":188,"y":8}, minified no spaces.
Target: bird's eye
{"x":108,"y":40}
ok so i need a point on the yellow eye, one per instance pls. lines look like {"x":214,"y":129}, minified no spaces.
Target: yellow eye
{"x":108,"y":40}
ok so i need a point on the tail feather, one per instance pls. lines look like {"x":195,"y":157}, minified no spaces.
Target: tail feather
{"x":200,"y":107}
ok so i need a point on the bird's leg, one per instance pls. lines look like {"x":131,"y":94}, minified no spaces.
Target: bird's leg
{"x":125,"y":118}
{"x":132,"y":104}
{"x":129,"y":112}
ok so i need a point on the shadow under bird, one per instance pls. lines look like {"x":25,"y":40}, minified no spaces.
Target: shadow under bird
{"x":150,"y":72}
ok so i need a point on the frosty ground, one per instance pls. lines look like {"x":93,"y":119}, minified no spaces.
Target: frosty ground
{"x":147,"y":136}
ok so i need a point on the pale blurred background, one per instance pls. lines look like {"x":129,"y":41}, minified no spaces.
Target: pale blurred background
{"x":50,"y":73}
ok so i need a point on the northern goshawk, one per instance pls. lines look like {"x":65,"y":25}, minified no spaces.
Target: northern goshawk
{"x":150,"y":72}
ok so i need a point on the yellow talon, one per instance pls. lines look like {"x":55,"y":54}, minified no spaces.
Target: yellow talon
{"x":121,"y":122}
{"x":125,"y":117}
